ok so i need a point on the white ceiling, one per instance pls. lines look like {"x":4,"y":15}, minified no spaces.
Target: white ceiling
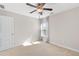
{"x":22,"y":8}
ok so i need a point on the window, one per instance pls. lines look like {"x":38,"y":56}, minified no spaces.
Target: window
{"x":44,"y":28}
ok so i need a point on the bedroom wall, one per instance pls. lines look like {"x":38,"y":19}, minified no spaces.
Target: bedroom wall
{"x":24,"y":27}
{"x":64,"y":29}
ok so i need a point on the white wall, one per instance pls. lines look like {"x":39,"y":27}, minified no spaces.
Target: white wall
{"x":24,"y":27}
{"x":64,"y":29}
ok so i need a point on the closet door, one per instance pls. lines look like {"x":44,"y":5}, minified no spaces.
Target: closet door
{"x":7,"y":33}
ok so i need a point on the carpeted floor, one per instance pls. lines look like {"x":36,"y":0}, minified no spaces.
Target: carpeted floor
{"x":42,"y":49}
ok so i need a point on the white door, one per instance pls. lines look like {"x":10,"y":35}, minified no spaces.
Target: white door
{"x":7,"y":32}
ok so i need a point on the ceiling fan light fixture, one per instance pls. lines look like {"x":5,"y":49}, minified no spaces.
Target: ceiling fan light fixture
{"x":39,"y":10}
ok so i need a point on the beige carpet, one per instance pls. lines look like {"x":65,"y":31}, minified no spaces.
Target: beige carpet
{"x":42,"y":49}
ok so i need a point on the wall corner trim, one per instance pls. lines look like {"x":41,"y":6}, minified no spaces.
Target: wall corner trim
{"x":72,"y":49}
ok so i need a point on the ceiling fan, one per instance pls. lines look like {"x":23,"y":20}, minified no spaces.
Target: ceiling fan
{"x":39,"y":8}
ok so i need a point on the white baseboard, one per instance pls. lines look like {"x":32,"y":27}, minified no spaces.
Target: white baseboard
{"x":64,"y":46}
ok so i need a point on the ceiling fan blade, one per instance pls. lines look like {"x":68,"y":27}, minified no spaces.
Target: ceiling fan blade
{"x":2,"y":6}
{"x":30,"y":5}
{"x":49,"y":9}
{"x":40,"y":4}
{"x":32,"y":11}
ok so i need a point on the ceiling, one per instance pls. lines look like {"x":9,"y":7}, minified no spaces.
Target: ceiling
{"x":23,"y":9}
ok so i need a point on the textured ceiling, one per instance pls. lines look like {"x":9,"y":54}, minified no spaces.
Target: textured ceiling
{"x":23,"y":9}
